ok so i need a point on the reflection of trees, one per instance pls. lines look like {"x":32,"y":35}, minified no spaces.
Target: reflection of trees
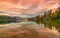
{"x":54,"y":20}
{"x":50,"y":19}
{"x":39,"y":19}
{"x":5,"y":19}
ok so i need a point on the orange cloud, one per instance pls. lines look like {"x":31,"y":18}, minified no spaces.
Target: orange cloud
{"x":27,"y":6}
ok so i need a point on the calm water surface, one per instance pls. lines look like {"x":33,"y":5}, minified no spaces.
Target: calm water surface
{"x":9,"y":26}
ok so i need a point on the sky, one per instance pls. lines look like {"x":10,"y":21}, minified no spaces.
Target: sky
{"x":17,"y":7}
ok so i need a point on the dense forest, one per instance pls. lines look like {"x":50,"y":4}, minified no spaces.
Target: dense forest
{"x":5,"y":19}
{"x":50,"y":19}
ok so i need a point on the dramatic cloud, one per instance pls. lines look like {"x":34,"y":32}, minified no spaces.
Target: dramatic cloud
{"x":17,"y":7}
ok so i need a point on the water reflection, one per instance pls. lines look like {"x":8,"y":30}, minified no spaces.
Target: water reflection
{"x":14,"y":24}
{"x":29,"y":27}
{"x":18,"y":24}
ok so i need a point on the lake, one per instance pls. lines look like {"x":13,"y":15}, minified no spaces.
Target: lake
{"x":13,"y":28}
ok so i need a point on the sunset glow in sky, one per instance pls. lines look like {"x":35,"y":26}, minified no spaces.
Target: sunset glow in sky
{"x":17,"y":7}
